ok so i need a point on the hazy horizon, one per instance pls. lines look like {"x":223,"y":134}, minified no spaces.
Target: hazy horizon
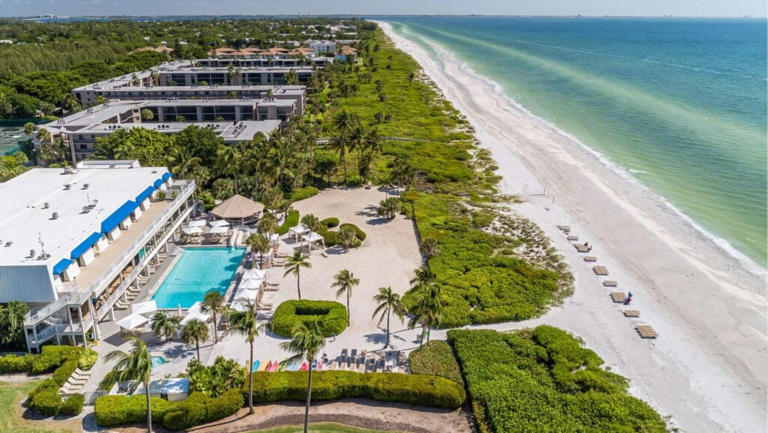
{"x":532,"y":8}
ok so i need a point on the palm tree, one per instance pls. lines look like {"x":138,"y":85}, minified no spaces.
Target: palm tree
{"x":267,"y":224}
{"x":423,"y":277}
{"x":184,"y":162}
{"x":307,"y":341}
{"x":259,"y":244}
{"x":388,"y":303}
{"x":213,"y":301}
{"x":194,"y":331}
{"x":229,"y":158}
{"x":294,"y":265}
{"x":246,"y":324}
{"x":345,"y":281}
{"x":427,"y":312}
{"x":344,"y":122}
{"x":165,"y":325}
{"x":136,"y":365}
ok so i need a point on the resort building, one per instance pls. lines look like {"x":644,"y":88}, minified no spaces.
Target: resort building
{"x":234,"y":120}
{"x":224,"y":76}
{"x":323,"y":47}
{"x":75,"y":242}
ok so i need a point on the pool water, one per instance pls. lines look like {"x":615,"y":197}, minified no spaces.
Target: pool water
{"x":198,"y":271}
{"x":157,"y":361}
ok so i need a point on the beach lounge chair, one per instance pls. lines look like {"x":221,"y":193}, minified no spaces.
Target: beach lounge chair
{"x":631,"y":313}
{"x":564,"y":229}
{"x":646,"y":331}
{"x":590,"y":259}
{"x":352,"y":358}
{"x":618,"y":297}
{"x":582,"y":248}
{"x":600,"y":270}
{"x":573,"y":238}
{"x":610,"y":283}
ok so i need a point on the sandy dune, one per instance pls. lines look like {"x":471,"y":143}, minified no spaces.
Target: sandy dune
{"x":709,"y":367}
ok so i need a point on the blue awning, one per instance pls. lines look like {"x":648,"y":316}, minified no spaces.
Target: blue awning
{"x":166,"y":176}
{"x":84,"y":245}
{"x":145,"y":194}
{"x":61,"y":266}
{"x":157,"y":183}
{"x":118,"y":216}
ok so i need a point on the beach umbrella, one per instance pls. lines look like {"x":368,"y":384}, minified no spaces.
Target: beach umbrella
{"x":218,"y":230}
{"x":219,"y":223}
{"x":191,"y":230}
{"x":251,"y":284}
{"x":254,"y":273}
{"x":132,"y":321}
{"x":144,"y":307}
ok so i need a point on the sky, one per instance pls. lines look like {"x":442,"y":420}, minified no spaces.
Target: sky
{"x":710,"y":8}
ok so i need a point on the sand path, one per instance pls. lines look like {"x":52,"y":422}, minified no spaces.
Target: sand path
{"x":709,"y":368}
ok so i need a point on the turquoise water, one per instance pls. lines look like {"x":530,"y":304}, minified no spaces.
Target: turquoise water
{"x":198,"y":271}
{"x":680,"y":103}
{"x":157,"y":361}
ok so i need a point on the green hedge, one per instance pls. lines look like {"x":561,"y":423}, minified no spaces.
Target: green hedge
{"x":332,"y":316}
{"x":330,"y":222}
{"x":115,"y":410}
{"x":435,"y":358}
{"x":330,"y":237}
{"x":544,"y":380}
{"x":360,"y":234}
{"x":62,"y":361}
{"x":292,"y":220}
{"x":333,"y":385}
{"x":73,"y":405}
{"x":303,"y":193}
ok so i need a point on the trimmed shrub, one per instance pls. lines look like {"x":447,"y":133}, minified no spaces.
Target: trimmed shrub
{"x":46,"y":400}
{"x":333,"y":385}
{"x":330,"y":222}
{"x":200,"y":409}
{"x":303,"y":193}
{"x":292,"y":220}
{"x":360,"y":234}
{"x":16,"y":363}
{"x":331,"y":315}
{"x":114,"y":410}
{"x":73,"y":405}
{"x":87,"y":359}
{"x":330,"y":237}
{"x":435,"y":358}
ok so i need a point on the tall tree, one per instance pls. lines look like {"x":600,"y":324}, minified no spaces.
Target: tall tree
{"x":294,"y":265}
{"x":164,"y":324}
{"x":134,"y":365}
{"x":213,"y":302}
{"x":428,"y":312}
{"x":246,"y":323}
{"x":388,"y":303}
{"x":259,"y":244}
{"x":344,"y":281}
{"x":307,"y":341}
{"x":194,"y":332}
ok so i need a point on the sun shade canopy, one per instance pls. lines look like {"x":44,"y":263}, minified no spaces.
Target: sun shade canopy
{"x":84,"y":245}
{"x":61,"y":266}
{"x":118,"y":216}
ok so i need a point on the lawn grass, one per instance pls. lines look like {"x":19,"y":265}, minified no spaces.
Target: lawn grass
{"x":11,"y":396}
{"x":322,"y":428}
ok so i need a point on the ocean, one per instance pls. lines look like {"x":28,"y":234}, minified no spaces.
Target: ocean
{"x":678,"y":103}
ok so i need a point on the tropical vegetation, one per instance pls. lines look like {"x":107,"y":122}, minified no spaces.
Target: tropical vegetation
{"x":543,"y":379}
{"x":331,"y":316}
{"x":435,"y":358}
{"x":246,"y":324}
{"x":307,"y":341}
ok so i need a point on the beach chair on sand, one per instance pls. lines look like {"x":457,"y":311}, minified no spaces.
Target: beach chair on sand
{"x":646,"y":331}
{"x":352,"y":358}
{"x":631,"y":313}
{"x":582,"y":248}
{"x":564,"y":229}
{"x":343,"y":358}
{"x":610,"y":283}
{"x":572,"y":238}
{"x":590,"y":259}
{"x":600,"y":270}
{"x":618,"y":297}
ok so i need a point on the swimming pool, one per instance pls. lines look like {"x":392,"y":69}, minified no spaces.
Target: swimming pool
{"x":198,"y":271}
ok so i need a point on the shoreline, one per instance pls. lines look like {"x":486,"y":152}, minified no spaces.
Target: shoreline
{"x":709,"y":368}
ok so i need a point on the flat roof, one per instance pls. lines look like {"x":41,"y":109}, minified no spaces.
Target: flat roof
{"x":25,"y":220}
{"x":298,"y":89}
{"x":245,"y":69}
{"x":248,"y":128}
{"x":200,"y":102}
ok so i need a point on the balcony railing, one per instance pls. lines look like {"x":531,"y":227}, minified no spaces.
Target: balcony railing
{"x":78,"y":298}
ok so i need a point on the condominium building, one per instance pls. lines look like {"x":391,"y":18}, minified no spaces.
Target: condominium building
{"x":224,"y":76}
{"x":74,"y":241}
{"x":234,"y":120}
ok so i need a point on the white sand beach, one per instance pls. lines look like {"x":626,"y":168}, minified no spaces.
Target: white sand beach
{"x":709,"y":367}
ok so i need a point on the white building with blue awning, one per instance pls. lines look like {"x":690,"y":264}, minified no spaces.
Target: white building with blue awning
{"x":67,"y":237}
